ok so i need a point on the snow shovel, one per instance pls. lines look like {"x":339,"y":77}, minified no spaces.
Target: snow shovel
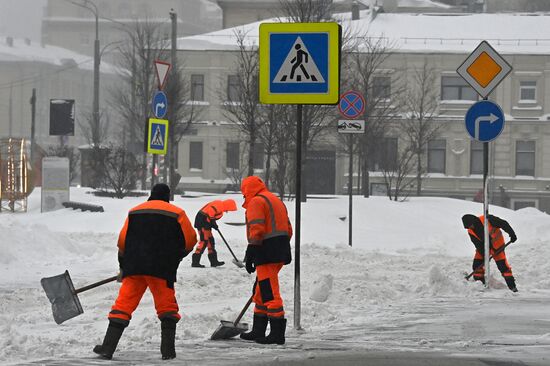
{"x":235,"y":261}
{"x":501,"y":249}
{"x":63,"y":296}
{"x":228,"y":329}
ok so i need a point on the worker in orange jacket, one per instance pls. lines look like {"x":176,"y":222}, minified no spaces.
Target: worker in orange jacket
{"x":268,"y":232}
{"x":475,"y":226}
{"x":205,"y":221}
{"x":154,"y":239}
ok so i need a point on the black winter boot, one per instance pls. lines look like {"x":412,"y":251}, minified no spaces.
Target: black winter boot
{"x":259,"y":325}
{"x":114,"y":332}
{"x":511,"y":282}
{"x":277,"y":333}
{"x":195,"y":261}
{"x":168,"y":339}
{"x":213,"y":257}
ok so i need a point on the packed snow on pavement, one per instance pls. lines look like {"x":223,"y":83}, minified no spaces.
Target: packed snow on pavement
{"x":401,"y":286}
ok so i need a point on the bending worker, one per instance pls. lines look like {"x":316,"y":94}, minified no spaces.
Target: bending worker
{"x":268,"y":232}
{"x":205,"y":221}
{"x":475,"y":228}
{"x":155,"y":238}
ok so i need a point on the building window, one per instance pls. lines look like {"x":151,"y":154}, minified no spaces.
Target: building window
{"x":195,"y":155}
{"x":525,"y":158}
{"x":233,"y":88}
{"x":528,"y":91}
{"x":232,"y":157}
{"x":436,"y":156}
{"x":384,"y":156}
{"x":381,"y":87}
{"x":476,"y":157}
{"x":258,"y":156}
{"x":456,"y":88}
{"x":197,"y":87}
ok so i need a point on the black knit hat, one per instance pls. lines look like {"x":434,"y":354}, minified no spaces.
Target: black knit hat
{"x":160,"y":192}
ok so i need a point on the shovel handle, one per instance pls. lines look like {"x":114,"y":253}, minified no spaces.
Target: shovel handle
{"x":499,"y":250}
{"x":228,"y":247}
{"x":243,"y":311}
{"x":96,"y":284}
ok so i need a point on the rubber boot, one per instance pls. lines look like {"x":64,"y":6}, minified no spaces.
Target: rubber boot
{"x":511,"y":282}
{"x":168,"y":339}
{"x":259,"y":325}
{"x":213,"y":257}
{"x":114,"y":332}
{"x":277,"y":333}
{"x":195,"y":261}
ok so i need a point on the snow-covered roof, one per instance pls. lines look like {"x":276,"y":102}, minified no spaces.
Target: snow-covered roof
{"x":422,"y":33}
{"x":34,"y":52}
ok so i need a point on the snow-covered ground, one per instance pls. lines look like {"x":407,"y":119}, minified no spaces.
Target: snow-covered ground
{"x":400,"y":287}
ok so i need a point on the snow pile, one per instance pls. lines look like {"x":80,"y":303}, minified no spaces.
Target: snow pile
{"x":406,"y":269}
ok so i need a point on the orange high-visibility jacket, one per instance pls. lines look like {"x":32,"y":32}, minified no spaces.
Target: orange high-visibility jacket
{"x":495,"y":234}
{"x":214,"y":210}
{"x":267,"y":222}
{"x":155,"y":237}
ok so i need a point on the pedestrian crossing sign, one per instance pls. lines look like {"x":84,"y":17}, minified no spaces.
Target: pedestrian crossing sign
{"x":157,"y":136}
{"x":299,"y":63}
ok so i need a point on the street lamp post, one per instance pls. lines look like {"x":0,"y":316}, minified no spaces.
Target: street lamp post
{"x":95,"y":104}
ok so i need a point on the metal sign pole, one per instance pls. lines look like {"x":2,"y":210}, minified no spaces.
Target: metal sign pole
{"x":350,"y":190}
{"x":486,"y":211}
{"x":298,"y":212}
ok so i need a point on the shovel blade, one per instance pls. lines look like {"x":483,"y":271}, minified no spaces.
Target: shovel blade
{"x":238,"y":263}
{"x":61,"y":293}
{"x":228,"y":330}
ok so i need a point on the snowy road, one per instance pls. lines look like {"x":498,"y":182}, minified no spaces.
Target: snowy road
{"x":398,"y":293}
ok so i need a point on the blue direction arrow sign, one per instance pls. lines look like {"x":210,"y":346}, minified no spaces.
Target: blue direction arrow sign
{"x":160,"y":104}
{"x":484,"y":121}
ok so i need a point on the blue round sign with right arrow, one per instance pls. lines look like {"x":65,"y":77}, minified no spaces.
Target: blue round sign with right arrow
{"x":159,"y":104}
{"x":484,"y":121}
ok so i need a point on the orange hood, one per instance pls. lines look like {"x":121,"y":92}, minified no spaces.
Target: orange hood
{"x":250,"y":187}
{"x":229,"y":205}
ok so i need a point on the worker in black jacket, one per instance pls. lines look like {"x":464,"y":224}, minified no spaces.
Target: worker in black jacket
{"x":475,"y":228}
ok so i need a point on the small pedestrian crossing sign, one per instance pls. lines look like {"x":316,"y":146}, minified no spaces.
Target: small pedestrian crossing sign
{"x":299,"y":63}
{"x":298,"y":66}
{"x":157,"y":137}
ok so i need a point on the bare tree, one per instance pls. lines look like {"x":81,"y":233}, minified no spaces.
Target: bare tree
{"x":364,"y":59}
{"x":306,"y":11}
{"x":132,"y":96}
{"x":120,"y":167}
{"x":397,"y":174}
{"x":421,"y":101}
{"x":245,"y":111}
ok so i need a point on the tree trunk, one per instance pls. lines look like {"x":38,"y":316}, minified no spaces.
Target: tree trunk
{"x":251,"y":153}
{"x":365,"y":180}
{"x":418,"y":174}
{"x":268,"y":168}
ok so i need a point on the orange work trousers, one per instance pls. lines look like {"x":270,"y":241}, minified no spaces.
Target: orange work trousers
{"x":500,"y":259}
{"x":131,"y":291}
{"x":206,"y":240}
{"x":267,"y":297}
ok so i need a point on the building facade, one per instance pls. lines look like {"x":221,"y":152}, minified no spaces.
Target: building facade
{"x":519,"y":158}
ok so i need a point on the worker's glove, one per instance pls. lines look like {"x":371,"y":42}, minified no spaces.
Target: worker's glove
{"x":213,"y":224}
{"x":250,"y":258}
{"x":513,"y":238}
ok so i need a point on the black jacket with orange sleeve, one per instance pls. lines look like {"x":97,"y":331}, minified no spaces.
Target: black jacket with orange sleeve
{"x":155,"y":238}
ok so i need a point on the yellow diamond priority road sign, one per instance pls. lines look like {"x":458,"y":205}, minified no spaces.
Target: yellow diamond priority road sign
{"x":484,"y":69}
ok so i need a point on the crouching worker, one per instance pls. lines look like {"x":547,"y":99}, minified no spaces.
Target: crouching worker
{"x":155,"y":238}
{"x":205,"y":221}
{"x":268,"y":232}
{"x":475,"y":228}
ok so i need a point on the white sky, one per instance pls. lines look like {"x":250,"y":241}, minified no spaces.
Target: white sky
{"x":21,"y":18}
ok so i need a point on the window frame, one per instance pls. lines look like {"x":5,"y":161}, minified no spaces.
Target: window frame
{"x":194,"y":85}
{"x":233,"y":88}
{"x":381,"y":86}
{"x":229,"y":155}
{"x":478,"y":151}
{"x":192,"y":158}
{"x":461,"y":86}
{"x":527,"y":88}
{"x":532,"y":152}
{"x":435,"y":149}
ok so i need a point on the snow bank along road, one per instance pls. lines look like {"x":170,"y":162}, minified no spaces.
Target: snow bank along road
{"x":400,"y":289}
